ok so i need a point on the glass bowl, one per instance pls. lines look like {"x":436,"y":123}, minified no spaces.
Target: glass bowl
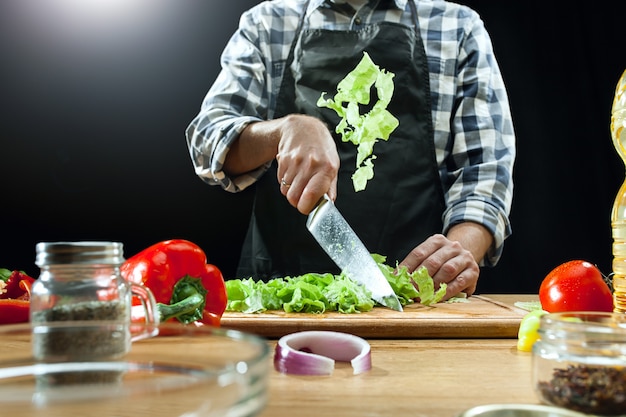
{"x":177,"y":371}
{"x":518,"y":410}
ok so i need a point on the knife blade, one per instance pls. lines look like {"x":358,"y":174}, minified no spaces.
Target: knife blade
{"x":341,"y":243}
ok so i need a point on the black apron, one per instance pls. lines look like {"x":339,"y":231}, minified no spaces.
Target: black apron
{"x":403,"y":204}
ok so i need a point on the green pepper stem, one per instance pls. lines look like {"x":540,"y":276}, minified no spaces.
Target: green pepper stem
{"x":176,"y":310}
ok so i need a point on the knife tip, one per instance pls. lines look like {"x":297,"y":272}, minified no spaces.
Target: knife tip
{"x":392,"y":302}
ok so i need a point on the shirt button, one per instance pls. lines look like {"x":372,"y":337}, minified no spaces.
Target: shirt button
{"x":357,"y":21}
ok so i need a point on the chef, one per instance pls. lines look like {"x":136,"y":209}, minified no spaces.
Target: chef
{"x":442,"y":186}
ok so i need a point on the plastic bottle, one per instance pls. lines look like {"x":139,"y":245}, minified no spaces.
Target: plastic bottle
{"x":618,"y":215}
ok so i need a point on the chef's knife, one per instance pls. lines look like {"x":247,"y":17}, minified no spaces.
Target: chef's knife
{"x":341,"y":243}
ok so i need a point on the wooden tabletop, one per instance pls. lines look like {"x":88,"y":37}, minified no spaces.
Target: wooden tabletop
{"x":429,"y":378}
{"x":413,"y":377}
{"x":416,"y":377}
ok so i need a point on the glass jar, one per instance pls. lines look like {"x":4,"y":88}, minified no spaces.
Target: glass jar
{"x":81,"y":282}
{"x":579,"y":363}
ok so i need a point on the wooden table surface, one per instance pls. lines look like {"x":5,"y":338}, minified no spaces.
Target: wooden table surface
{"x":413,"y":377}
{"x":416,"y":377}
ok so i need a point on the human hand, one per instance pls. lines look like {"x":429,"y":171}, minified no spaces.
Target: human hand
{"x":447,"y":261}
{"x":308,"y":162}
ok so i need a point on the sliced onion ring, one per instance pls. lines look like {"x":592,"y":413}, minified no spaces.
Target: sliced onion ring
{"x":315,"y":352}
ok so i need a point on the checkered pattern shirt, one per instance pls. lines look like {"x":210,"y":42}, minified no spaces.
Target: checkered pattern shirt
{"x":473,"y":131}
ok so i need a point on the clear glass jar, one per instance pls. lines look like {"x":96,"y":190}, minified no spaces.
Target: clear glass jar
{"x":81,"y":282}
{"x":579,"y":363}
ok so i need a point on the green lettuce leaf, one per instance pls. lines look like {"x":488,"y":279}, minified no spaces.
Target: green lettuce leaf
{"x":411,"y":286}
{"x":302,"y":300}
{"x":363,"y":130}
{"x":245,"y":295}
{"x":303,"y":294}
{"x":363,"y":174}
{"x":317,"y":293}
{"x":346,"y":296}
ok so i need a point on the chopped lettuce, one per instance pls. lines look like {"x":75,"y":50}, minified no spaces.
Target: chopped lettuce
{"x":317,"y":293}
{"x":309,"y":293}
{"x":248,"y":296}
{"x":363,"y":130}
{"x":345,"y":296}
{"x":528,"y":305}
{"x":409,"y":286}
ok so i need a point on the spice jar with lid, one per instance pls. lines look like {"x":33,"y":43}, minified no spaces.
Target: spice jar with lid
{"x":81,"y":282}
{"x":579,"y":362}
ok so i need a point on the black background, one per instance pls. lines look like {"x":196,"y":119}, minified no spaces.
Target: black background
{"x":94,"y":104}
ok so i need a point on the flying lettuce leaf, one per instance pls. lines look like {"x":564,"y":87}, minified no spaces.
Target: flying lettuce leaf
{"x":363,"y":130}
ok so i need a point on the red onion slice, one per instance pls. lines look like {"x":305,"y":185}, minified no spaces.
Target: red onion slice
{"x":315,"y":352}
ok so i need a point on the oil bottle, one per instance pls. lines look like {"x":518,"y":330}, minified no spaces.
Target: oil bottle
{"x":618,"y":215}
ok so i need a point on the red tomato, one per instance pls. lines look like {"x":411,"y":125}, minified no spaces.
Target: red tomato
{"x":575,"y":286}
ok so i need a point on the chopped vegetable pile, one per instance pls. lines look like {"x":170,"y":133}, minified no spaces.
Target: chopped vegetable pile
{"x":317,"y":293}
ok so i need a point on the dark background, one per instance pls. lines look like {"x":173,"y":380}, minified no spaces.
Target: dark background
{"x":94,"y":102}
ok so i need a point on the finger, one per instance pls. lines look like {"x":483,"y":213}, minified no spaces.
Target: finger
{"x":332,"y":191}
{"x":284,"y":186}
{"x":426,"y":251}
{"x":284,"y":182}
{"x":293,"y":191}
{"x":465,"y":282}
{"x":314,"y":190}
{"x":460,"y":274}
{"x":280,"y":170}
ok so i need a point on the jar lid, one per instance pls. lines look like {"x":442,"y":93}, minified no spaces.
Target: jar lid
{"x":60,"y":253}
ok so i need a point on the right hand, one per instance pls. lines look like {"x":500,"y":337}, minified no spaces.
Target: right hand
{"x":308,"y":162}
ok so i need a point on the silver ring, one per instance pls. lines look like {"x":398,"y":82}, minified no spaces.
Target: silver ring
{"x":283,"y":183}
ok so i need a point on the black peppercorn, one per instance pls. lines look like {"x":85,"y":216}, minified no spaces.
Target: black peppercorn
{"x":588,"y":389}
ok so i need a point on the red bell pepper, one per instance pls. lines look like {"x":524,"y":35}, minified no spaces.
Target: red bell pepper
{"x":184,"y":285}
{"x":14,"y":296}
{"x":14,"y":311}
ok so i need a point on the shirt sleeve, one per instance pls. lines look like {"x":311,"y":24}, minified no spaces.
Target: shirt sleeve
{"x":237,"y":98}
{"x":478,"y":172}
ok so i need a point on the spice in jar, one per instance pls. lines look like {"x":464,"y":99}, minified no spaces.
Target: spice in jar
{"x":106,"y":338}
{"x":579,"y":362}
{"x":92,"y":331}
{"x":588,"y":389}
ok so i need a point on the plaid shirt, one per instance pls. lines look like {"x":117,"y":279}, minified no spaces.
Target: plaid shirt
{"x":474,"y":137}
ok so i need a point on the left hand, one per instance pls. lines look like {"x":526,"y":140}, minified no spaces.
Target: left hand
{"x":447,"y":261}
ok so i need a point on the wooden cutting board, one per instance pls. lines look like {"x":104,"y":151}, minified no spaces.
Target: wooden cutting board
{"x":479,"y":317}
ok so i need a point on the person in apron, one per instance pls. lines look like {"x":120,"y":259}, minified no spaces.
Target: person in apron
{"x":399,"y":214}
